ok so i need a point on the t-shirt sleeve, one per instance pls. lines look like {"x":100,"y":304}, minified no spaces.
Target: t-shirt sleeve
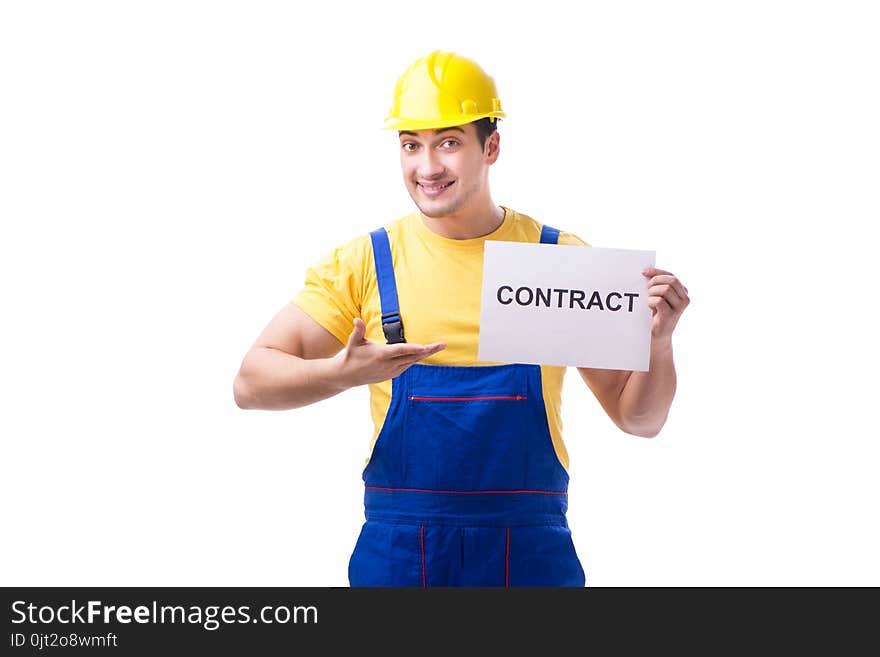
{"x":571,"y":239}
{"x":332,"y":292}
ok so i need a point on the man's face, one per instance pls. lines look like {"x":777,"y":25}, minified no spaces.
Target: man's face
{"x":444,"y":170}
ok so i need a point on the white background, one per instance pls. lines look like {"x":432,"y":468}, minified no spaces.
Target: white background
{"x":169,"y":169}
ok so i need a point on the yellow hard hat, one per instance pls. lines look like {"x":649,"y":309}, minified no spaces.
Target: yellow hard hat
{"x":441,"y":90}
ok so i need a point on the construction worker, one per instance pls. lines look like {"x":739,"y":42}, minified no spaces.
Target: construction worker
{"x":467,"y":474}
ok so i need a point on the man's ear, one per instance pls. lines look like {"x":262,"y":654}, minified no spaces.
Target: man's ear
{"x":492,"y":148}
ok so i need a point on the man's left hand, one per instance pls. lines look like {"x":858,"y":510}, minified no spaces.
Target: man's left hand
{"x":667,"y":298}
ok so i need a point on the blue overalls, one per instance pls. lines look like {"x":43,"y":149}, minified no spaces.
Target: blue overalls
{"x":463,"y":487}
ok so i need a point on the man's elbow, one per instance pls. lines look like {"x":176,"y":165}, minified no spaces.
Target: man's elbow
{"x":242,"y":393}
{"x":642,"y":430}
{"x":644,"y":433}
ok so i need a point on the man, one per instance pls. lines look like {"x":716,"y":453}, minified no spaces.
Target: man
{"x":466,"y":480}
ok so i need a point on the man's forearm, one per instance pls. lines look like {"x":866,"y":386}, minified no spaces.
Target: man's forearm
{"x":270,"y":379}
{"x":647,"y":396}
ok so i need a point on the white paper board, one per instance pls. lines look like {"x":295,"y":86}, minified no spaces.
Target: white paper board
{"x":555,"y":304}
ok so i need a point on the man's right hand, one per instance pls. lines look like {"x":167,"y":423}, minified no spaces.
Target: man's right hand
{"x":362,"y":361}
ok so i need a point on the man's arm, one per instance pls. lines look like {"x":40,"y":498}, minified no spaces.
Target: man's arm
{"x":607,"y":385}
{"x":637,"y":402}
{"x":647,"y":396}
{"x":296,"y":361}
{"x":290,"y":365}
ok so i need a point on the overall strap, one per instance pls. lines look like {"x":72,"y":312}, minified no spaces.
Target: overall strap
{"x":549,"y":235}
{"x":392,"y":324}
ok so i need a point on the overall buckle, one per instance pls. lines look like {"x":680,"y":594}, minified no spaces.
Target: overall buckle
{"x":392,"y":327}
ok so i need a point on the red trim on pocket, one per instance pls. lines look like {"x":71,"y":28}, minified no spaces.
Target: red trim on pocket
{"x":422,"y":539}
{"x":418,"y":398}
{"x":507,"y":561}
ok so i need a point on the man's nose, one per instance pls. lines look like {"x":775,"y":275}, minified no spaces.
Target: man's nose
{"x":430,"y":166}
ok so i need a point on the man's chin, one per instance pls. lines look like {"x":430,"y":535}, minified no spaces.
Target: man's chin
{"x":435,"y":211}
{"x":433,"y":214}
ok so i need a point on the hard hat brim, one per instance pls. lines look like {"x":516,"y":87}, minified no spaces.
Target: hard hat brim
{"x":392,"y":123}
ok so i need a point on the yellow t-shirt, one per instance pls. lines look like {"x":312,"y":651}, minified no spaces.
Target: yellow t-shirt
{"x":439,"y":283}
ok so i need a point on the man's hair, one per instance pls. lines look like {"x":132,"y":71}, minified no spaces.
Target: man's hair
{"x":485,"y":127}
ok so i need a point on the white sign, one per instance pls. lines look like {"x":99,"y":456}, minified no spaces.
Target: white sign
{"x":559,"y":304}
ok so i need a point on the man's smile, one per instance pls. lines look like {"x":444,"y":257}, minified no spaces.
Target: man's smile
{"x":433,"y":190}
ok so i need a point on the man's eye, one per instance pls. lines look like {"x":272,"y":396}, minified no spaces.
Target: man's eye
{"x":407,"y":145}
{"x":450,"y":141}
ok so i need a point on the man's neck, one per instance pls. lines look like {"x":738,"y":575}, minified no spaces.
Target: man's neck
{"x":466,"y":225}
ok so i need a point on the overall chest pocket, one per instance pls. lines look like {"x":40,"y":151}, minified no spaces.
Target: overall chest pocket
{"x":469,"y":428}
